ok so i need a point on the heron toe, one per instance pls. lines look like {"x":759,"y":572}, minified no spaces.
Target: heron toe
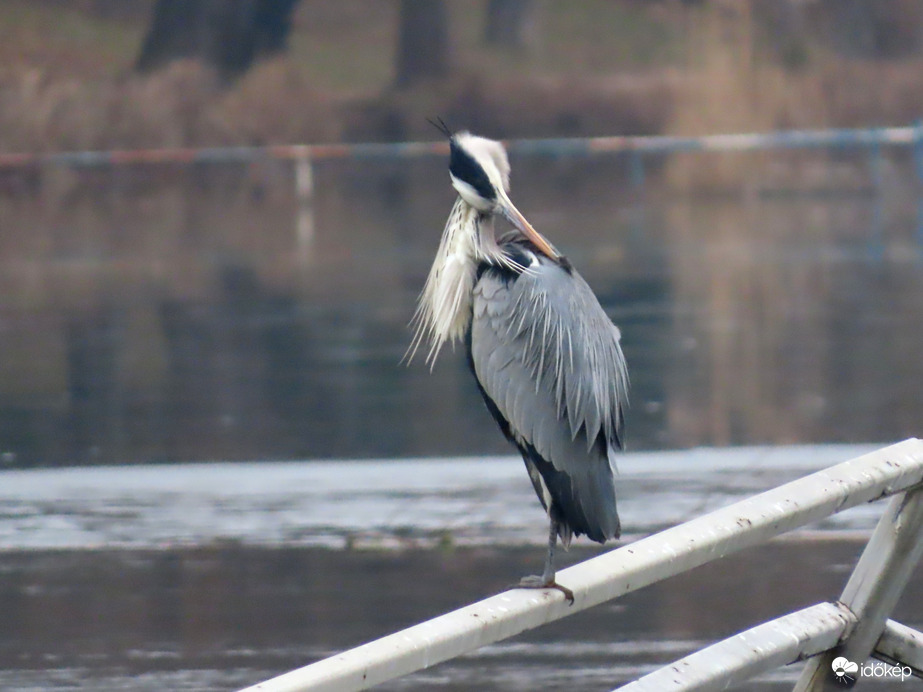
{"x":534,"y":581}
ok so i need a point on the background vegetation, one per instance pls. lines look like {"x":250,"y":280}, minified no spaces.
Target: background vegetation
{"x":70,"y":76}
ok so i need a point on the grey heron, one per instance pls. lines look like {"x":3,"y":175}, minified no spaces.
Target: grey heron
{"x":545,"y":355}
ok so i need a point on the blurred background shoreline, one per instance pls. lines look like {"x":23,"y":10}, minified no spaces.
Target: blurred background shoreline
{"x":90,"y":74}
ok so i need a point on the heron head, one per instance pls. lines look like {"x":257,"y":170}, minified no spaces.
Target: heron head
{"x":480,"y":173}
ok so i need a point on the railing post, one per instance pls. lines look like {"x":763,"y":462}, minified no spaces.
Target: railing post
{"x":874,"y":587}
{"x":918,"y":166}
{"x":304,"y":193}
{"x":877,"y":165}
{"x":637,"y":170}
{"x":638,"y":179}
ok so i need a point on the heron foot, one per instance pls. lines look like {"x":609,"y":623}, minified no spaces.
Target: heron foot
{"x":537,"y":582}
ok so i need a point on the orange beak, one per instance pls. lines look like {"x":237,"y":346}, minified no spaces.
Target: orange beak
{"x":515,"y":217}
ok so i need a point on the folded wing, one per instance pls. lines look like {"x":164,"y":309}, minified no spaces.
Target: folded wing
{"x":548,"y":357}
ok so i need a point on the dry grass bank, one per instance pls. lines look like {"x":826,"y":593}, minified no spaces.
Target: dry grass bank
{"x":593,"y":68}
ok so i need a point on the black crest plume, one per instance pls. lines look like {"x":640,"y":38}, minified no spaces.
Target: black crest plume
{"x":440,"y":125}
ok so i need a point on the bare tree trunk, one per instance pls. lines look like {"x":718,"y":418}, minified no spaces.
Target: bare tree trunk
{"x":423,"y":41}
{"x":226,"y":34}
{"x":871,"y":29}
{"x":508,"y":23}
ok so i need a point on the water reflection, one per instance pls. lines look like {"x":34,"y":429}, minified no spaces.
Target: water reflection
{"x":178,"y":313}
{"x":221,"y":617}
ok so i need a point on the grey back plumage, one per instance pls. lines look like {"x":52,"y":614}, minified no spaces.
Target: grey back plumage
{"x":548,"y":358}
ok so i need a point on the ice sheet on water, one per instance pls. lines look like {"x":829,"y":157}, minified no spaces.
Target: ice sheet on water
{"x":376,"y":502}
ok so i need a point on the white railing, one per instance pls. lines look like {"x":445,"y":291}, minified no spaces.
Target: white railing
{"x":854,"y":627}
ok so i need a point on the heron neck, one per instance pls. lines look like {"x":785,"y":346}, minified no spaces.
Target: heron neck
{"x":444,"y":310}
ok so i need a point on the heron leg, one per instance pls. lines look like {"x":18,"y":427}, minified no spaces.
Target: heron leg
{"x":548,"y":574}
{"x":546,"y":581}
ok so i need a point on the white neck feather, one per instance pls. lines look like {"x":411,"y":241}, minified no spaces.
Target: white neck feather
{"x":444,"y":309}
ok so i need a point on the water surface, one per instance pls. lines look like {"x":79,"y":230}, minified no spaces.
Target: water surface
{"x":195,"y":314}
{"x":216,"y":576}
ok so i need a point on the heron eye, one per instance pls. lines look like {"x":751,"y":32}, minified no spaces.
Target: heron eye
{"x":463,"y":167}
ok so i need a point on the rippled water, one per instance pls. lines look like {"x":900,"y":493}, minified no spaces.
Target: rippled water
{"x":374,"y":504}
{"x":216,"y":576}
{"x":222,"y":617}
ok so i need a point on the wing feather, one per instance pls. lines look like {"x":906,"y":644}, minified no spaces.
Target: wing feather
{"x":549,"y":358}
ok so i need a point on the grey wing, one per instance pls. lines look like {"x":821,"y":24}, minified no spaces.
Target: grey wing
{"x":549,"y":358}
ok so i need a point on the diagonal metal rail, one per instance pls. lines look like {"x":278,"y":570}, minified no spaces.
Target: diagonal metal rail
{"x":773,"y":644}
{"x":751,"y":522}
{"x":874,"y":586}
{"x":780,"y":642}
{"x":899,"y":643}
{"x":855,"y":627}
